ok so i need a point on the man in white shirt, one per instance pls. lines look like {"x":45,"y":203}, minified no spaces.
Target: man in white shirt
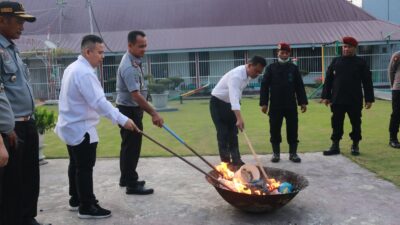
{"x":82,"y":102}
{"x":225,"y":108}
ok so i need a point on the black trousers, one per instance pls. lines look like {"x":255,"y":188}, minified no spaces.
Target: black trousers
{"x":337,"y":120}
{"x":131,"y":145}
{"x":275,"y":123}
{"x":227,"y":133}
{"x":82,"y":159}
{"x":21,"y":178}
{"x":11,"y":188}
{"x":395,"y":117}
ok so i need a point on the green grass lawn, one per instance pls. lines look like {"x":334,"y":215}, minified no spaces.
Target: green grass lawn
{"x":192,"y":122}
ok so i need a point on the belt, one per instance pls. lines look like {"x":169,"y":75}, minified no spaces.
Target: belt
{"x":23,"y":119}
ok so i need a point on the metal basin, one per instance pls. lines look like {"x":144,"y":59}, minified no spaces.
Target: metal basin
{"x":262,"y":203}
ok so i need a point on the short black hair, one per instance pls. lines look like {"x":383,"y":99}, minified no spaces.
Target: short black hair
{"x":258,"y":60}
{"x":89,"y":41}
{"x":132,"y":36}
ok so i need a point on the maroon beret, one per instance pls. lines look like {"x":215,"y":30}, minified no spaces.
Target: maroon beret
{"x":284,"y":46}
{"x":350,"y":41}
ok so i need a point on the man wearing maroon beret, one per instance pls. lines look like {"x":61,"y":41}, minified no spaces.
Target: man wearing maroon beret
{"x":348,"y":80}
{"x":282,"y":89}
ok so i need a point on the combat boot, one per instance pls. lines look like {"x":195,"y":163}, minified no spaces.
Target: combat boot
{"x":394,"y":142}
{"x":355,"y":150}
{"x":276,"y":148}
{"x":334,"y":149}
{"x":293,"y":153}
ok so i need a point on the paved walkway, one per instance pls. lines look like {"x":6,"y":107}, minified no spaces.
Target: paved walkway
{"x":340,"y":192}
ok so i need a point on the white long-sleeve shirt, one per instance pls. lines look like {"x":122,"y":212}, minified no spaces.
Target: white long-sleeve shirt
{"x":81,"y":103}
{"x":229,"y":89}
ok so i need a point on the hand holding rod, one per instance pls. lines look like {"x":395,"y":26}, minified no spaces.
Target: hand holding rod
{"x":183,"y":159}
{"x":255,"y":155}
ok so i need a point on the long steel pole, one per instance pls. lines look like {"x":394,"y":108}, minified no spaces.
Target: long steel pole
{"x":186,"y":161}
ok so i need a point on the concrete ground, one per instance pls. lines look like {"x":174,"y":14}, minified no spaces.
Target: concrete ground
{"x":340,"y":192}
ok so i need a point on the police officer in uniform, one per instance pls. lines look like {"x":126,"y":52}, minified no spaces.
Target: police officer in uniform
{"x":15,"y":77}
{"x":7,"y":162}
{"x":347,"y":78}
{"x":131,"y":101}
{"x":280,"y":87}
{"x":394,"y":77}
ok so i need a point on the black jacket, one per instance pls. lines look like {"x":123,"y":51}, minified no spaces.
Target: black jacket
{"x":345,"y":79}
{"x":281,"y":85}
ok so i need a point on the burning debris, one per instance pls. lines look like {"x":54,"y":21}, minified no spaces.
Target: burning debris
{"x":248,"y":180}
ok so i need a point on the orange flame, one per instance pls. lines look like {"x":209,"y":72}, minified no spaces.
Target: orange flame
{"x":273,"y":184}
{"x":223,"y":168}
{"x":235,"y":184}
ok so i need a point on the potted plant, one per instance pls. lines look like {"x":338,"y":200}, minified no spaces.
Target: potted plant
{"x":159,"y":95}
{"x":45,"y":120}
{"x":174,"y":87}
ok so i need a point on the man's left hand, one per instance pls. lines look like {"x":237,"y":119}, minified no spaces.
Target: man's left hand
{"x":13,"y":139}
{"x":157,"y":120}
{"x":368,"y":105}
{"x":303,"y":108}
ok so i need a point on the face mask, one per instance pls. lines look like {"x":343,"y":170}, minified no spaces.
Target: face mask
{"x":283,"y":61}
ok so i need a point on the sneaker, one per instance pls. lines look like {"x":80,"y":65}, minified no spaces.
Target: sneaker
{"x":73,"y":204}
{"x":93,"y":212}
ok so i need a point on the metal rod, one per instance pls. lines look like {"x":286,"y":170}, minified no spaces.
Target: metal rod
{"x":255,"y":155}
{"x":191,"y":149}
{"x":183,"y":159}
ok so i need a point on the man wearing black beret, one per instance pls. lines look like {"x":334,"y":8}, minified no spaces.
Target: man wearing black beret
{"x":282,"y":90}
{"x":348,"y":80}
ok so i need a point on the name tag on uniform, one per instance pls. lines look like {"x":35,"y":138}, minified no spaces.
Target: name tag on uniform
{"x":1,"y":87}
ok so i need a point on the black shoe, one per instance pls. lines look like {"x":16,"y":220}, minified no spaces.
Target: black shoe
{"x":275,"y":158}
{"x":238,"y":163}
{"x":333,"y":150}
{"x":31,"y":221}
{"x":139,"y":182}
{"x":394,"y":143}
{"x":294,"y":158}
{"x":73,"y":204}
{"x":93,"y":211}
{"x":139,"y":190}
{"x":235,"y":166}
{"x":355,"y":150}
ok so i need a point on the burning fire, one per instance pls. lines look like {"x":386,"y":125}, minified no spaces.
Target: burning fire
{"x":237,"y":185}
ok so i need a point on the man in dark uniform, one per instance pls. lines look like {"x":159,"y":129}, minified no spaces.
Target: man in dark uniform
{"x":394,"y":77}
{"x":280,"y":86}
{"x":15,"y":76}
{"x":346,"y":78}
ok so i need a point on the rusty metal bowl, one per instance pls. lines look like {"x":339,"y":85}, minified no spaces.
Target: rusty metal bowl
{"x":262,"y":203}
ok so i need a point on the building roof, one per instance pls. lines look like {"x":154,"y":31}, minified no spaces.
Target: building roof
{"x":180,"y":25}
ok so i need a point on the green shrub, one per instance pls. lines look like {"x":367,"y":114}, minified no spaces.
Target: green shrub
{"x":44,"y":120}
